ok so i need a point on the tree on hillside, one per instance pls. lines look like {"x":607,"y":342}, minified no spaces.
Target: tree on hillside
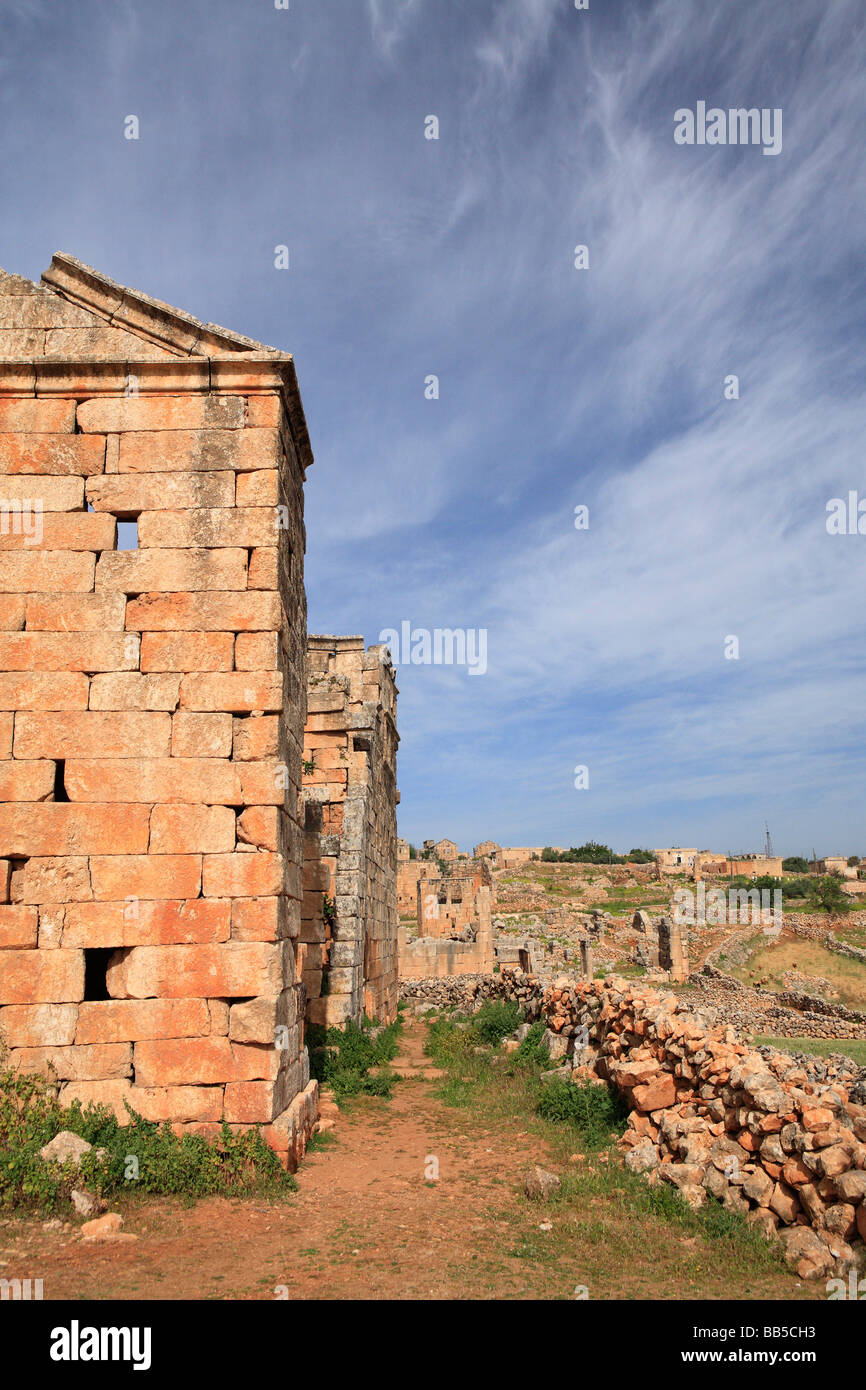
{"x":795,"y":865}
{"x":826,"y":893}
{"x":594,"y":853}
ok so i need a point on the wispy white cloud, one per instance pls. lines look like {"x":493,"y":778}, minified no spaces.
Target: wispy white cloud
{"x":390,"y":20}
{"x":517,"y":38}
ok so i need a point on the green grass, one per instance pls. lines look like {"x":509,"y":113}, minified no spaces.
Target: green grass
{"x":235,"y":1164}
{"x":770,"y":961}
{"x":495,"y":1020}
{"x":594,"y":1112}
{"x":855,"y":1048}
{"x":600,"y":1204}
{"x":850,"y":933}
{"x":351,"y":1061}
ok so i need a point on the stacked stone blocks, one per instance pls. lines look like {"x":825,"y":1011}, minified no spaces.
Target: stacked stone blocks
{"x":348,"y":951}
{"x":152,"y":703}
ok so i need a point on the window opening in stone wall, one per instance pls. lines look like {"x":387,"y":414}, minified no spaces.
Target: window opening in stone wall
{"x":96,"y":959}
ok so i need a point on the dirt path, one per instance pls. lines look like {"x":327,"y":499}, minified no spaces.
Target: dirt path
{"x":366,"y":1223}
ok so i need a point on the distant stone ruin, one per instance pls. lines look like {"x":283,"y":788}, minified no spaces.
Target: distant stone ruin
{"x":454,"y":925}
{"x":665,"y":948}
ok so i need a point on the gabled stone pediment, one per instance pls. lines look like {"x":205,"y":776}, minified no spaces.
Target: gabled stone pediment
{"x":80,"y":333}
{"x":76,"y":312}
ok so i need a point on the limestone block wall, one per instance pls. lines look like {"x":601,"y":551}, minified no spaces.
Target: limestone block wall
{"x":430,"y":958}
{"x":152,"y":704}
{"x":436,"y":953}
{"x":409,"y":873}
{"x":446,"y":906}
{"x":348,"y":951}
{"x":512,"y":857}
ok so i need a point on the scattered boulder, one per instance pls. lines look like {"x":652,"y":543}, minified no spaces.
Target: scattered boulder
{"x":85,"y":1203}
{"x":554,"y":1044}
{"x":643,"y":1157}
{"x":107,"y":1225}
{"x":539,"y":1185}
{"x":64,"y":1147}
{"x":806,"y":1253}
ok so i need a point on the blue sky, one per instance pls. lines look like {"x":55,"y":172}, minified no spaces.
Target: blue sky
{"x":558,"y":387}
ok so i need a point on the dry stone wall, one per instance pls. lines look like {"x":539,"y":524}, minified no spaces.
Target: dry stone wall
{"x":790,"y":1013}
{"x":780,"y":1139}
{"x":152,"y":707}
{"x":716,"y":1118}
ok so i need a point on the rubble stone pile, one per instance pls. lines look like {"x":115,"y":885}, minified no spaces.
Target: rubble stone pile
{"x":715,"y":1117}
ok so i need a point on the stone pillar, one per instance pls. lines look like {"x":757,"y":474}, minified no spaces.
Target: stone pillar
{"x":671,"y":949}
{"x":586,"y":961}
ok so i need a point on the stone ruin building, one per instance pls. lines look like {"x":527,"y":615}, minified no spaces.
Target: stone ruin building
{"x":348,"y":954}
{"x":173,"y":885}
{"x":409,"y":873}
{"x":665,"y":947}
{"x":454,"y":925}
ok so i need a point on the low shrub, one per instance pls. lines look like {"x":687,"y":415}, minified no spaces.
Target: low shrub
{"x":343,"y":1058}
{"x":594,"y":1111}
{"x":141,"y":1156}
{"x":495,"y":1020}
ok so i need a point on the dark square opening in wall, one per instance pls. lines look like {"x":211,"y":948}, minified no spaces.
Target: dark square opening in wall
{"x":60,"y":793}
{"x":96,"y":960}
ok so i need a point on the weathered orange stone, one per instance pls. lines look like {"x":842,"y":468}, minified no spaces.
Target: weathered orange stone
{"x":39,"y":1025}
{"x":133,"y":1020}
{"x":75,"y":612}
{"x":119,"y":876}
{"x":42,"y":977}
{"x":76,"y":454}
{"x":206,"y":1061}
{"x":93,"y":734}
{"x":204,"y":612}
{"x":168,"y":780}
{"x":192,"y":829}
{"x":237,"y":969}
{"x":186,"y":651}
{"x":18,"y":928}
{"x":146,"y":923}
{"x":21,"y":780}
{"x":108,"y":1060}
{"x":36,"y":690}
{"x":235,"y":691}
{"x":253,"y":875}
{"x":50,"y":828}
